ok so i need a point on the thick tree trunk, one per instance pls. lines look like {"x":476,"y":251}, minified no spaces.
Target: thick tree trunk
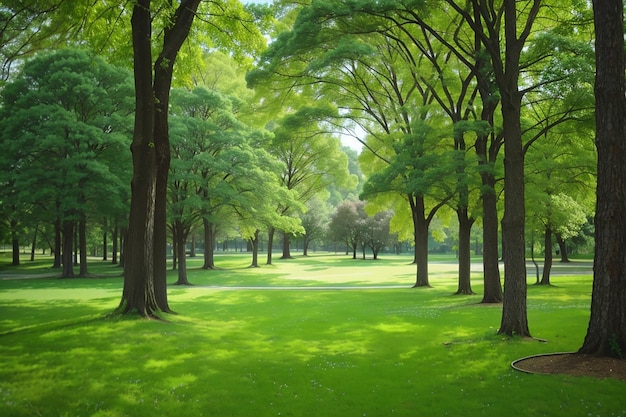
{"x":68,"y":243}
{"x":145,"y":286}
{"x":514,"y":314}
{"x":562,"y":248}
{"x":465,"y":258}
{"x":487,"y":156}
{"x":491,"y":268}
{"x":606,"y":333}
{"x":547,"y":257}
{"x":209,"y":244}
{"x":286,"y":246}
{"x":421,"y":240}
{"x":139,"y":291}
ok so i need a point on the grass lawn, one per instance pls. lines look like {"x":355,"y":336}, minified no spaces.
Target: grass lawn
{"x":304,"y":338}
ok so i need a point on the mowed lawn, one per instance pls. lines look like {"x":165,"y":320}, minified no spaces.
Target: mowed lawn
{"x":319,"y":336}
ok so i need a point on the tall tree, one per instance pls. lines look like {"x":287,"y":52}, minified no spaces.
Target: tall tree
{"x":312,"y":160}
{"x":65,"y":117}
{"x":606,"y":333}
{"x":144,"y":274}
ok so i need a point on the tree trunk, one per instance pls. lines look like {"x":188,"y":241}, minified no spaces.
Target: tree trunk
{"x":420,"y":228}
{"x":487,"y":148}
{"x":547,"y":257}
{"x":491,"y":267}
{"x":82,"y":245}
{"x":514,"y":314}
{"x":114,"y":247}
{"x":76,"y":243}
{"x":192,"y":248}
{"x":139,"y":291}
{"x":562,"y":248}
{"x":57,"y":244}
{"x":465,"y":255}
{"x":209,"y":244}
{"x":254,"y":243}
{"x":33,"y":246}
{"x":68,"y":243}
{"x":180,"y":234}
{"x":123,"y":241}
{"x":305,"y":246}
{"x":105,"y":244}
{"x":145,"y":286}
{"x":606,"y":333}
{"x":15,"y":244}
{"x":270,"y":244}
{"x":286,"y":246}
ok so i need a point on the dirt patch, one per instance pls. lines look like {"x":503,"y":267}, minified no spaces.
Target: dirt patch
{"x":573,"y":364}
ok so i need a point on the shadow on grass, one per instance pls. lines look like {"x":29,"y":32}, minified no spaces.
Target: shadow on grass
{"x":322,"y":353}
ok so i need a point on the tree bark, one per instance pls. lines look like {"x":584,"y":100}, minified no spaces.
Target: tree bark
{"x":33,"y":246}
{"x":606,"y":333}
{"x":465,"y":229}
{"x":487,"y":151}
{"x":145,"y":286}
{"x":139,"y":290}
{"x":105,"y":244}
{"x":270,"y":244}
{"x":547,"y":257}
{"x":420,"y":224}
{"x":57,"y":244}
{"x":286,"y":246}
{"x":15,"y":244}
{"x":68,"y":243}
{"x":181,"y":235}
{"x":209,"y":244}
{"x":491,"y":267}
{"x":255,"y":250}
{"x":114,"y":247}
{"x":514,"y":314}
{"x":82,"y":244}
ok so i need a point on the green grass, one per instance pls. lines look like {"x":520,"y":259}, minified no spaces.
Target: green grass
{"x":290,"y":352}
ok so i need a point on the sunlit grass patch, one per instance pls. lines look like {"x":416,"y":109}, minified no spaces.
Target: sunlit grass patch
{"x":288,"y":352}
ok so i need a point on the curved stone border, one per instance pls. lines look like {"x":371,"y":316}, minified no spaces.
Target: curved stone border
{"x":517,"y":368}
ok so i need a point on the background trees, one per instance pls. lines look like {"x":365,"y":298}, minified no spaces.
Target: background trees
{"x":433,"y":95}
{"x":65,"y":127}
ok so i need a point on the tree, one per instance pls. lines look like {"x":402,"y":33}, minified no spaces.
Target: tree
{"x":65,"y":126}
{"x":144,"y":275}
{"x":346,"y":224}
{"x":315,"y":222}
{"x":376,"y":234}
{"x":311,"y":158}
{"x":606,"y":333}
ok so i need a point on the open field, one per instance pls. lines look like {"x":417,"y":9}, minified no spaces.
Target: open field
{"x":358,"y":342}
